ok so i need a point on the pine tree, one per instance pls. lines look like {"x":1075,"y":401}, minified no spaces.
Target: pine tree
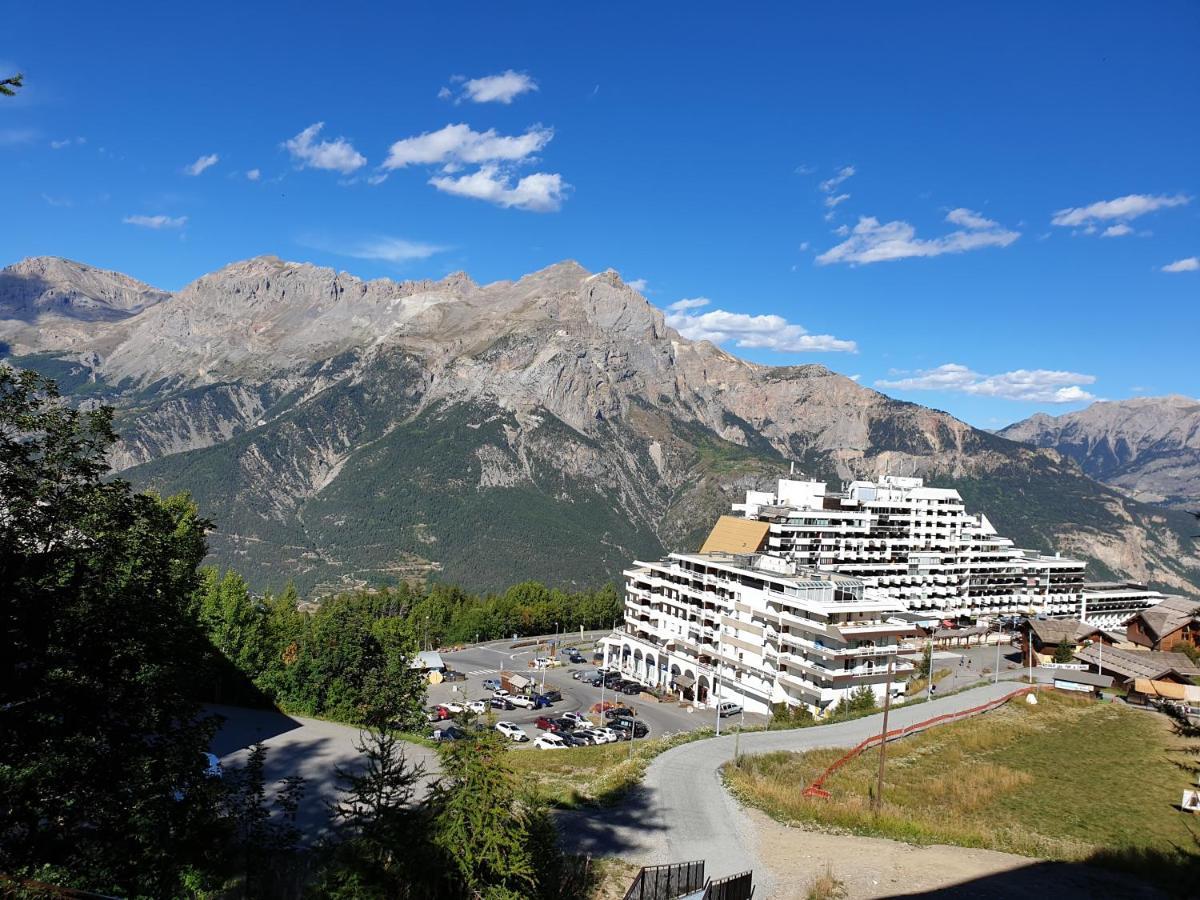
{"x":478,"y":823}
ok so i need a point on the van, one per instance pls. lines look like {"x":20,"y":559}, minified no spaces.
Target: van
{"x":728,"y":709}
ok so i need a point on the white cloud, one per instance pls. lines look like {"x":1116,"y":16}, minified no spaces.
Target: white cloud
{"x":459,"y":144}
{"x":750,"y":332}
{"x":829,"y":184}
{"x":1190,"y":264}
{"x":803,"y":246}
{"x":254,"y":174}
{"x":388,"y":249}
{"x":638,"y":284}
{"x":539,"y":192}
{"x":1123,"y":208}
{"x":58,"y":201}
{"x":1118,"y":230}
{"x":204,"y":162}
{"x":13,"y":136}
{"x":337,"y":155}
{"x":67,"y":142}
{"x":684,"y":305}
{"x":834,"y":199}
{"x":805,"y":169}
{"x":1036,"y":385}
{"x":871,"y":242}
{"x":969,"y":219}
{"x":502,"y":88}
{"x":156,"y":222}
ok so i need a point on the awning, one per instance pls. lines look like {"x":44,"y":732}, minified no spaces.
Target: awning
{"x":684,"y":681}
{"x":1163,"y":689}
{"x":518,"y":681}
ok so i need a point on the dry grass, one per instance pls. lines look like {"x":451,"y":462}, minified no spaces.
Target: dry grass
{"x":916,"y":685}
{"x":1065,"y":779}
{"x":592,"y":776}
{"x":825,"y":886}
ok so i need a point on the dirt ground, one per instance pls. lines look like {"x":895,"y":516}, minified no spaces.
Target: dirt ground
{"x":874,"y":867}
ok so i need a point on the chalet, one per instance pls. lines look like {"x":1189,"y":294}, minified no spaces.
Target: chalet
{"x":1047,"y":635}
{"x":1169,"y":624}
{"x":1126,"y":666}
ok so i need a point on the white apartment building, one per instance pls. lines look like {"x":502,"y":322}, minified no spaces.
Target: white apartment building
{"x":755,"y":629}
{"x":916,"y":544}
{"x":1111,"y":604}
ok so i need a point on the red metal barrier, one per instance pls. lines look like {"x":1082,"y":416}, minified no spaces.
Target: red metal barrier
{"x":816,"y":790}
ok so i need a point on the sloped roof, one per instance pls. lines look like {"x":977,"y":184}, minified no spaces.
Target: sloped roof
{"x":734,"y":535}
{"x":427,"y":659}
{"x":1131,"y":664}
{"x":1058,"y":631}
{"x":1169,"y":614}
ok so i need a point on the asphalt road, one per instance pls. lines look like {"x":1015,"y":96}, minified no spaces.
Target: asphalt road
{"x":683,"y":812}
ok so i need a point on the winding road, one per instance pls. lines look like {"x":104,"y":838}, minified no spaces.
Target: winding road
{"x":683,"y":812}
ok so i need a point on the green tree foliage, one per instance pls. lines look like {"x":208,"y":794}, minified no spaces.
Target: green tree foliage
{"x":1063,"y":653}
{"x":860,"y":700}
{"x":264,"y":833}
{"x":478,"y":822}
{"x":102,"y":780}
{"x":9,"y":86}
{"x":380,"y":827}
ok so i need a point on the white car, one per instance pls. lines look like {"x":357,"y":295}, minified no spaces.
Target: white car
{"x":501,"y":693}
{"x":728,"y":709}
{"x":550,"y":741}
{"x":587,"y":735}
{"x":454,"y":707}
{"x":479,"y":707}
{"x":541,"y":662}
{"x":604,"y":735}
{"x":577,"y":718}
{"x":512,"y":731}
{"x":521,"y":701}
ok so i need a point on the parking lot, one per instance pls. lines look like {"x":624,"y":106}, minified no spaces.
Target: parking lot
{"x":486,"y":661}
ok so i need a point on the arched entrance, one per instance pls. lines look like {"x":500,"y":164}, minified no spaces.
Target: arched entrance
{"x":702,"y":685}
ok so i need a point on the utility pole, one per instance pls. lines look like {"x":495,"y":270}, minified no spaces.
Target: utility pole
{"x":887,"y":706}
{"x":999,"y":640}
{"x":737,"y":738}
{"x":718,"y":676}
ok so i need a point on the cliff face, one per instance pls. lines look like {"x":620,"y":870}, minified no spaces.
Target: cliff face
{"x":1148,"y":447}
{"x":552,"y":427}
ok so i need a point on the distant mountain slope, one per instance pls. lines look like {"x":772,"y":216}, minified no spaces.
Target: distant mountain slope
{"x":1148,"y":447}
{"x":552,"y":427}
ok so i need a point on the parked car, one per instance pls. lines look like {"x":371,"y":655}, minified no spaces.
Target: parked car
{"x":629,"y":726}
{"x":728,"y":708}
{"x":501,"y":703}
{"x":582,"y":675}
{"x":552,"y":695}
{"x":545,"y":723}
{"x":577,"y":718}
{"x":439,"y":713}
{"x":520,"y":700}
{"x":541,"y":662}
{"x":614,"y":711}
{"x":449,"y":733}
{"x":550,"y":741}
{"x":491,"y":684}
{"x":595,"y":680}
{"x":575,"y":739}
{"x":512,"y":731}
{"x":606,"y":735}
{"x":586,"y":736}
{"x":630,"y":687}
{"x":454,"y":706}
{"x":574,"y":656}
{"x":479,"y":707}
{"x":541,"y":701}
{"x":501,"y":692}
{"x":452,"y":675}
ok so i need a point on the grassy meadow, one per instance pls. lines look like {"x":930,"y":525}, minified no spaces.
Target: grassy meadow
{"x":1067,"y":779}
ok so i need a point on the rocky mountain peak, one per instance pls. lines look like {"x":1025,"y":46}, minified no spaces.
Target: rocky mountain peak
{"x":50,"y":285}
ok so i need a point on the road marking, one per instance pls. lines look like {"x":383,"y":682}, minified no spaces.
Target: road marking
{"x":483,"y":671}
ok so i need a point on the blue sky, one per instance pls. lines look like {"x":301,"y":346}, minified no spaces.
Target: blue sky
{"x":992,"y":209}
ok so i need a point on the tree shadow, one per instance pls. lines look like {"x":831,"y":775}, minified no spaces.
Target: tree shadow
{"x":617,"y":830}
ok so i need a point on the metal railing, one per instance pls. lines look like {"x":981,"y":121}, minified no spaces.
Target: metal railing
{"x":732,"y":887}
{"x":667,"y":882}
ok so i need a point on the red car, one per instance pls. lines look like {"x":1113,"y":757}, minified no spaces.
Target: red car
{"x":442,"y":713}
{"x":545,"y":723}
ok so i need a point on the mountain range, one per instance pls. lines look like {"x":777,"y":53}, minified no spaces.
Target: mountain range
{"x":1148,"y":447}
{"x":341,"y":431}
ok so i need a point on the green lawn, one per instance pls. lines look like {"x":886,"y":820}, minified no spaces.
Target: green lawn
{"x":1067,"y":779}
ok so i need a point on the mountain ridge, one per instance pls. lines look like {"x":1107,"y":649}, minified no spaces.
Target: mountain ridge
{"x":1148,"y":447}
{"x":370,"y":430}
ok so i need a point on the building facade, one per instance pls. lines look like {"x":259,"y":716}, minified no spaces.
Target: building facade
{"x":755,"y":629}
{"x":920,"y":546}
